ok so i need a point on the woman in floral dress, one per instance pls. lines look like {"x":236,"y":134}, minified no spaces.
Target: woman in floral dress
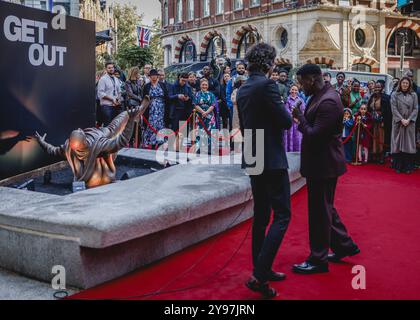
{"x":205,"y":104}
{"x":156,"y":117}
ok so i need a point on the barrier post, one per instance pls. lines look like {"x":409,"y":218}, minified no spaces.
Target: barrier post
{"x":356,"y":163}
{"x":193,"y":131}
{"x":136,"y":134}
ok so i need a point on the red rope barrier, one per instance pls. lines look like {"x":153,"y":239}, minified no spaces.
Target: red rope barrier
{"x":219,"y":137}
{"x":155,"y":131}
{"x":166,"y":135}
{"x":350,"y":135}
{"x":367,"y":130}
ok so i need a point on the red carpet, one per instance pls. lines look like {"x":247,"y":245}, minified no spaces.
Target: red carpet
{"x":381,"y":211}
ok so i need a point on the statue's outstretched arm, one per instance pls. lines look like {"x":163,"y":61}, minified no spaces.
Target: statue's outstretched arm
{"x":49,"y":148}
{"x":121,"y":140}
{"x":118,"y":124}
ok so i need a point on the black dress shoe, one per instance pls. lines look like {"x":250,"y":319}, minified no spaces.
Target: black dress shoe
{"x":309,"y":268}
{"x":263,"y":288}
{"x":334,"y":257}
{"x":276,"y":276}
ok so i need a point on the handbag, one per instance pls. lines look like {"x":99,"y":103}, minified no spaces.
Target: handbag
{"x":131,"y":101}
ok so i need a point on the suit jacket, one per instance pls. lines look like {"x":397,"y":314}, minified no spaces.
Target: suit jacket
{"x":260,"y":106}
{"x":322,"y":154}
{"x":387,"y":115}
{"x":385,"y":107}
{"x":175,"y":103}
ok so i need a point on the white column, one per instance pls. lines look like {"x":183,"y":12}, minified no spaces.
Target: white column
{"x":172,"y":53}
{"x":165,"y":56}
{"x":295,"y":40}
{"x":228,"y":40}
{"x":267,"y":33}
{"x":382,"y":44}
{"x":346,"y":40}
{"x":197,"y":42}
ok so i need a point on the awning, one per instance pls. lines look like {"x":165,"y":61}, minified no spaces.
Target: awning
{"x":103,"y":36}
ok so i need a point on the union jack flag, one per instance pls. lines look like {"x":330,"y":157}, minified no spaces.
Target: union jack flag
{"x":143,"y":36}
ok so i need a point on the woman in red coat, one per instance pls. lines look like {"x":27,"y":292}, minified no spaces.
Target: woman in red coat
{"x":365,"y":132}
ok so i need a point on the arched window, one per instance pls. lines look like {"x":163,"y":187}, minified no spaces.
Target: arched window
{"x":412,"y":43}
{"x":248,"y":39}
{"x":190,"y":9}
{"x":216,"y":47}
{"x":360,"y":37}
{"x":178,"y":10}
{"x":361,"y":67}
{"x":188,"y":52}
{"x":165,"y":14}
{"x":282,"y":38}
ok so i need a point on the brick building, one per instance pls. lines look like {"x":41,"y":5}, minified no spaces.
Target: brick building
{"x":342,"y":34}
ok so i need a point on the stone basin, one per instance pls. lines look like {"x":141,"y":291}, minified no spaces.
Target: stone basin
{"x":103,"y":233}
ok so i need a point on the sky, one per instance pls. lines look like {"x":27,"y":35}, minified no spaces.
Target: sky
{"x":149,"y":8}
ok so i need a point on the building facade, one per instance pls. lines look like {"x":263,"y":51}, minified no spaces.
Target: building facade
{"x":103,"y":15}
{"x":71,"y":6}
{"x":357,"y":35}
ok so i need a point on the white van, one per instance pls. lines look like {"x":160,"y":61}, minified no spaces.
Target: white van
{"x":364,"y":78}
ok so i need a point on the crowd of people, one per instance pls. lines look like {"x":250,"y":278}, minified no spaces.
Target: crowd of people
{"x":375,"y":124}
{"x":311,"y":116}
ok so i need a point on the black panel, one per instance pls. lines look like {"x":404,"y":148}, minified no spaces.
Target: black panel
{"x":53,"y":99}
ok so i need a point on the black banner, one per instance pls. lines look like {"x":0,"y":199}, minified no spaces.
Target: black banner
{"x":47,"y":70}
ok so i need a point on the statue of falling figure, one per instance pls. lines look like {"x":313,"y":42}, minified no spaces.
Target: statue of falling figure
{"x":91,"y":152}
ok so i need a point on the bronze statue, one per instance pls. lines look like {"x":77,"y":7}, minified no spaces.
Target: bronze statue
{"x":91,"y":152}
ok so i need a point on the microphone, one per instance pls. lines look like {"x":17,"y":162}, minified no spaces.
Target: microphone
{"x":298,"y":104}
{"x":296,"y":109}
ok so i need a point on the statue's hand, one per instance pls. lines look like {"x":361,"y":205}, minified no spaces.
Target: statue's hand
{"x":144,"y":104}
{"x":41,"y":139}
{"x":133,"y":112}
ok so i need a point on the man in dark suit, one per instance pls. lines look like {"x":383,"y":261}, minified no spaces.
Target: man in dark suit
{"x":322,"y":162}
{"x":162,"y":79}
{"x":181,"y":107}
{"x":260,"y":107}
{"x":181,"y":101}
